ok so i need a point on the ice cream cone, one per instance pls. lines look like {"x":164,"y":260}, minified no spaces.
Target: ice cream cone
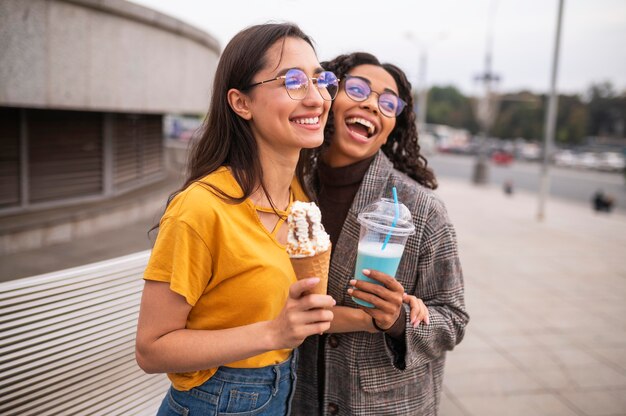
{"x":313,"y":266}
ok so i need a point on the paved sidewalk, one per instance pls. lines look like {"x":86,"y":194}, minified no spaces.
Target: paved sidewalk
{"x":547,"y":301}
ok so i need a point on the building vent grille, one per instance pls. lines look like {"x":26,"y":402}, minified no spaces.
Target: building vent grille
{"x":138,"y":148}
{"x":65,"y":154}
{"x":9,"y":157}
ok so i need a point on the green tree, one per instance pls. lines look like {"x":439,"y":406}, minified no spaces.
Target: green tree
{"x":523,"y":115}
{"x":520,"y":115}
{"x":572,"y":120}
{"x":602,"y":112}
{"x":607,"y":110}
{"x":447,"y":105}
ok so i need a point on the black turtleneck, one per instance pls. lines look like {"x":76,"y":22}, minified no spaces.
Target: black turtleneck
{"x":338,"y":187}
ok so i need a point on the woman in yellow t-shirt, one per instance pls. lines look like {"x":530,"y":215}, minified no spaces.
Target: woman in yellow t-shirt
{"x":221,"y":310}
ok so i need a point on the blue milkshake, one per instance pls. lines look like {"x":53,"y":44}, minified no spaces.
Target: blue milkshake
{"x":385,"y":227}
{"x":371,"y":256}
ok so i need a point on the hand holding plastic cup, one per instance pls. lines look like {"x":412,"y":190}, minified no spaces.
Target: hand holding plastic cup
{"x":385,"y":227}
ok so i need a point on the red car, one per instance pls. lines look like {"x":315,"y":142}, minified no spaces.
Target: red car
{"x":500,"y":157}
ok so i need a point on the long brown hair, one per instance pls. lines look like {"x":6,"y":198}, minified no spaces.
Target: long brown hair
{"x":226,"y":139}
{"x":402,"y":146}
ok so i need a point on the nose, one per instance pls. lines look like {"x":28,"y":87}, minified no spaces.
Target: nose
{"x":370,"y":103}
{"x":313,"y":97}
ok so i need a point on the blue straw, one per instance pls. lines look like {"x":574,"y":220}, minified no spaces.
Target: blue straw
{"x":395,"y":216}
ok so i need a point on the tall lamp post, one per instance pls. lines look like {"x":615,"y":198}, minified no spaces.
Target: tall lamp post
{"x":550,"y":125}
{"x":422,"y":97}
{"x":487,"y":106}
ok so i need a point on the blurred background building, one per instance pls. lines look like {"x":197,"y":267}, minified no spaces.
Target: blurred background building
{"x":84,"y":87}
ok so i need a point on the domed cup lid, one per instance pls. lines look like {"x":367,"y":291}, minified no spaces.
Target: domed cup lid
{"x":379,"y":217}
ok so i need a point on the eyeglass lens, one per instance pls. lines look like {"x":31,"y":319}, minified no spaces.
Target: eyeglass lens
{"x":297,"y":84}
{"x":359,"y":90}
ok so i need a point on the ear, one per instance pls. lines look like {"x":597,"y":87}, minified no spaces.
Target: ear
{"x":239,"y":101}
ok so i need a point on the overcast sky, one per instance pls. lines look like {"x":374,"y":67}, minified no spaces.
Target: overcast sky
{"x":593,"y":46}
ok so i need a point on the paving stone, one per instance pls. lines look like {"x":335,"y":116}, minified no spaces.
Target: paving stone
{"x":616,"y":355}
{"x":599,"y":403}
{"x":540,"y":404}
{"x":567,"y":378}
{"x":473,"y":361}
{"x":481,"y":383}
{"x":449,"y":407}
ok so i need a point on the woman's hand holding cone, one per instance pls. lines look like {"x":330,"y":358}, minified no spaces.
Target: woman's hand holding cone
{"x":303,"y":315}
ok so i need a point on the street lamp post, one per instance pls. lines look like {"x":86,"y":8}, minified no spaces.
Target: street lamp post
{"x":487,"y":106}
{"x":422,"y":97}
{"x":486,"y":113}
{"x":550,"y":125}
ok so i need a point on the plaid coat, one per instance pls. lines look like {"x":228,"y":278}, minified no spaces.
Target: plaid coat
{"x":372,"y":374}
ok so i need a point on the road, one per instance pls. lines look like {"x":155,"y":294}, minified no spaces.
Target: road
{"x":577,"y":185}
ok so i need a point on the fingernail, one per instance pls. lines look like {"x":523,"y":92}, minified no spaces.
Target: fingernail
{"x":352,"y":282}
{"x":366,"y":272}
{"x":314,"y":281}
{"x":350,"y":291}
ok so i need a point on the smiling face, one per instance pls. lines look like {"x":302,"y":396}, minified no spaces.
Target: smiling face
{"x":279,"y":122}
{"x":360,"y":128}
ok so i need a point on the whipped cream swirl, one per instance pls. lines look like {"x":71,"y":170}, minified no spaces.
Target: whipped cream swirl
{"x":307,"y":236}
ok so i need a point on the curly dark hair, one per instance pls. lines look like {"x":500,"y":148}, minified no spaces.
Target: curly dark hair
{"x":402,"y":146}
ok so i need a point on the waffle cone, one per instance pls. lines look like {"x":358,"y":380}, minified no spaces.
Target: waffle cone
{"x":313,"y":266}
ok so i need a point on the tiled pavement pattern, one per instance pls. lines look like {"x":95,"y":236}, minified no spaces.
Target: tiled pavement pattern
{"x":547,"y":302}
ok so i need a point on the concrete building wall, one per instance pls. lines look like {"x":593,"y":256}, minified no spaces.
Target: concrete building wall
{"x":102,"y":55}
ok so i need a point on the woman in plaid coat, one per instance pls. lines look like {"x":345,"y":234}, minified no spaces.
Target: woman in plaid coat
{"x":378,"y":361}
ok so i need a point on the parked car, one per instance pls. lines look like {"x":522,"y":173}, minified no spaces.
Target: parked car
{"x":611,"y":161}
{"x":566,"y":158}
{"x":502,"y":157}
{"x":588,"y":160}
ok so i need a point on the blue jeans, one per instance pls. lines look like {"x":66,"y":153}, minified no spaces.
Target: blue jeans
{"x":237,"y":391}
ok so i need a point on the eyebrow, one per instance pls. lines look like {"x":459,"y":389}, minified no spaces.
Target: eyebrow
{"x":370,"y":84}
{"x":284,"y":71}
{"x":367,"y":81}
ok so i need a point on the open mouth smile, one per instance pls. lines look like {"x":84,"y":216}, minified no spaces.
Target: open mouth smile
{"x":361,"y":127}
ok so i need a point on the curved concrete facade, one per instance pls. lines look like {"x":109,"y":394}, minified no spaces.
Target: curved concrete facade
{"x":102,"y":55}
{"x":84,"y":86}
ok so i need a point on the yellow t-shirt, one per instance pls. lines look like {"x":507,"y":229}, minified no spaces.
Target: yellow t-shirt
{"x":226,"y":264}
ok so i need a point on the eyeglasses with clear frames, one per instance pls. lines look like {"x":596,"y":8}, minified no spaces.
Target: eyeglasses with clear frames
{"x":297,"y":84}
{"x":358,"y":89}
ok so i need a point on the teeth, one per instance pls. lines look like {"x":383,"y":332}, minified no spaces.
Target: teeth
{"x":363,"y":122}
{"x":311,"y":120}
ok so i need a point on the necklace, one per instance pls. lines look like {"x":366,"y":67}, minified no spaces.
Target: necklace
{"x":279,"y":212}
